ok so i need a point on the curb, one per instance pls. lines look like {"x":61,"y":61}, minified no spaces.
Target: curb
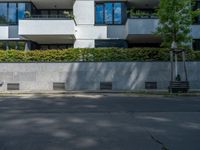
{"x":127,"y":93}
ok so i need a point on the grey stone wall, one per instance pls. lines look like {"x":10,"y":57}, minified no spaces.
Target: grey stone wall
{"x":87,"y":76}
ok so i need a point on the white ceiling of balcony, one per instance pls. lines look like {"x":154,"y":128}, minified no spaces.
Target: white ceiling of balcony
{"x":49,"y":4}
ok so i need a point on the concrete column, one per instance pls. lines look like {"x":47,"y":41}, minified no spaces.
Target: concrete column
{"x":7,"y":46}
{"x":27,"y":46}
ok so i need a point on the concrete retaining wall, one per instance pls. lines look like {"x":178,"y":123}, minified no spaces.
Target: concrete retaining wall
{"x":87,"y":76}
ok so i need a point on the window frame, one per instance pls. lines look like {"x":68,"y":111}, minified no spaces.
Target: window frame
{"x":17,"y":17}
{"x":113,"y":13}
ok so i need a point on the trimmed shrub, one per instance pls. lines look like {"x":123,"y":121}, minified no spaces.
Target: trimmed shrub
{"x":93,"y":54}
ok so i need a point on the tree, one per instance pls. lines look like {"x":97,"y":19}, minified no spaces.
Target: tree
{"x":175,"y":18}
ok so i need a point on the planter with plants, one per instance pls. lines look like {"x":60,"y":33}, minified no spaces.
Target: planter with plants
{"x":27,"y":14}
{"x":134,"y":14}
{"x":154,"y":16}
{"x":67,"y":14}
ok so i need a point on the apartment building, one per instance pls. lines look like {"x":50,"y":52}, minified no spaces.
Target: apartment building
{"x":58,"y":24}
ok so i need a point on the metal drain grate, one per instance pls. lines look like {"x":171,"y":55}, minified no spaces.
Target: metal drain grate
{"x":57,"y":86}
{"x":12,"y":86}
{"x":105,"y":85}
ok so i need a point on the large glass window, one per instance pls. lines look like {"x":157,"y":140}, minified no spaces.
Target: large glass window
{"x":9,"y":45}
{"x":21,"y":10}
{"x":99,"y":14}
{"x":109,"y":13}
{"x":12,"y":13}
{"x":2,"y":45}
{"x":3,"y":13}
{"x":117,"y":13}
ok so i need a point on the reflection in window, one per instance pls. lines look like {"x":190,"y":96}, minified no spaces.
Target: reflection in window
{"x":117,"y":13}
{"x":12,"y":45}
{"x":99,"y":14}
{"x":21,"y":10}
{"x":21,"y":45}
{"x":198,"y":17}
{"x":12,"y":13}
{"x":3,"y":13}
{"x":2,"y":45}
{"x":108,"y":13}
{"x":196,"y":44}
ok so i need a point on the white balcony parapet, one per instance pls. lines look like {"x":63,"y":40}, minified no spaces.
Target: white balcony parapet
{"x":46,"y":27}
{"x":141,"y":26}
{"x":47,"y":30}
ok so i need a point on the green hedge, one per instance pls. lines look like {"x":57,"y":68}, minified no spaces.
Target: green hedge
{"x":94,"y":54}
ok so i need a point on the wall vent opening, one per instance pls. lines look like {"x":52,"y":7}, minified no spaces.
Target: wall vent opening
{"x":12,"y":86}
{"x":58,"y":86}
{"x":105,"y":85}
{"x":150,"y":85}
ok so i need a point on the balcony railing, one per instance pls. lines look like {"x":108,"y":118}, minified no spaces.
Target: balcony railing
{"x":48,"y":17}
{"x":143,"y":17}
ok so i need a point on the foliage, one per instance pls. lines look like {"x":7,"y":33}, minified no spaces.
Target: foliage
{"x":68,"y":14}
{"x":27,"y":14}
{"x":175,"y":18}
{"x":94,"y":54}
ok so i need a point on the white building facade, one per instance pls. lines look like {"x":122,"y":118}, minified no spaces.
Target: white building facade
{"x":59,"y":24}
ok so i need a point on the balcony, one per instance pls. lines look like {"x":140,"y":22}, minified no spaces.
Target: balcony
{"x":142,"y":29}
{"x":48,"y":29}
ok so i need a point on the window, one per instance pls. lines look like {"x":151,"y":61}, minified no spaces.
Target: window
{"x":3,"y":13}
{"x":3,"y":45}
{"x":21,"y":10}
{"x":12,"y":13}
{"x":110,"y":43}
{"x":99,"y":14}
{"x":196,"y":44}
{"x":197,"y":6}
{"x":110,"y":13}
{"x":117,"y":13}
{"x":8,"y":45}
{"x":21,"y":45}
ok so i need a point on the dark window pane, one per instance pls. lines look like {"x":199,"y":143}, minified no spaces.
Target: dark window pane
{"x":111,"y":43}
{"x":99,"y":14}
{"x":12,"y":16}
{"x":53,"y":13}
{"x":2,"y":45}
{"x":53,"y":47}
{"x":196,"y":44}
{"x":44,"y":13}
{"x":62,"y":47}
{"x":108,"y":13}
{"x":117,"y":13}
{"x":3,"y":13}
{"x":12,"y":45}
{"x":21,"y":10}
{"x":44,"y":47}
{"x":21,"y":45}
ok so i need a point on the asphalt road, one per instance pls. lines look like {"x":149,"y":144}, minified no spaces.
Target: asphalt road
{"x":99,"y":122}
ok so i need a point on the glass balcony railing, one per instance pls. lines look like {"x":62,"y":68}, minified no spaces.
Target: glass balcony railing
{"x":35,"y":17}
